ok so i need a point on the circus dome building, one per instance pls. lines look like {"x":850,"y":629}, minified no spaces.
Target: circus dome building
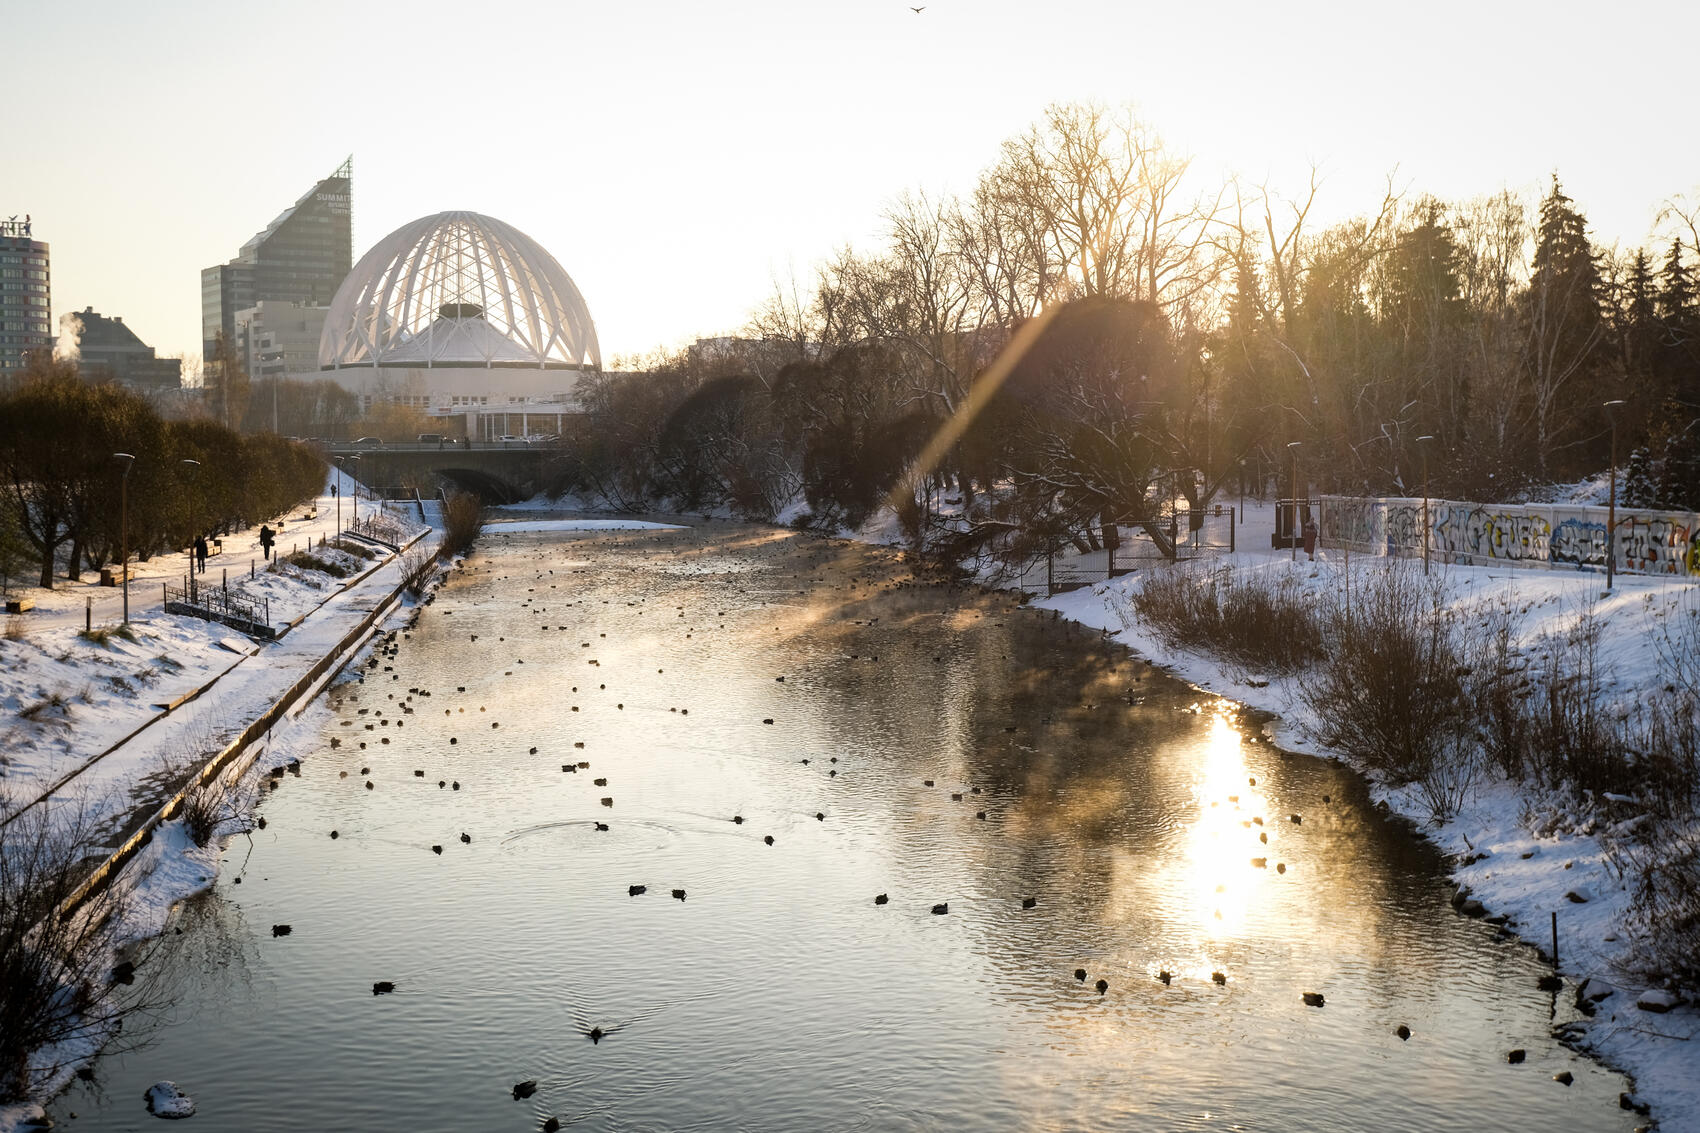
{"x":461,"y":314}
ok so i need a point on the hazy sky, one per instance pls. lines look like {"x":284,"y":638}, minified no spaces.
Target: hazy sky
{"x":677,"y":157}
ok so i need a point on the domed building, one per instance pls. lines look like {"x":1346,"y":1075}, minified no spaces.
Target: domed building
{"x":459,"y":314}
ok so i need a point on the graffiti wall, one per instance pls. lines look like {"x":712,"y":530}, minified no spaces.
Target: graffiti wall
{"x":1554,"y":536}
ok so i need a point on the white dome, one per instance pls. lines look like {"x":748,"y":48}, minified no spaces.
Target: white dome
{"x":458,"y":289}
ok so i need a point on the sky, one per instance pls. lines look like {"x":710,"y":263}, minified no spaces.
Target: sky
{"x":680,"y":158}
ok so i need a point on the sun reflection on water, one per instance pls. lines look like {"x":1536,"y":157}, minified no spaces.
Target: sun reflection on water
{"x":1224,"y":864}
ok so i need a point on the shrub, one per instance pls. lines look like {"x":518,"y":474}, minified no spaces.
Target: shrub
{"x":1389,"y":688}
{"x":1254,"y":620}
{"x":307,"y":560}
{"x":1663,"y":865}
{"x":53,"y":964}
{"x":463,"y":519}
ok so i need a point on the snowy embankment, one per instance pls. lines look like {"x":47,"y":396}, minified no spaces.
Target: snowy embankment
{"x":1523,"y":853}
{"x":85,"y":727}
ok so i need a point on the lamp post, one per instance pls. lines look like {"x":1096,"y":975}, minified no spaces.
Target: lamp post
{"x":193,"y":466}
{"x":1422,"y":447}
{"x":124,"y":527}
{"x":1611,"y":408}
{"x":1293,"y":528}
{"x":355,"y":521}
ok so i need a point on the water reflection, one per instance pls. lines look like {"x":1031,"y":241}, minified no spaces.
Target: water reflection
{"x":778,"y":995}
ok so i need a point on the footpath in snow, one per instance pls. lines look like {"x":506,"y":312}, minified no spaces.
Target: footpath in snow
{"x":1521,"y":855}
{"x":90,"y":721}
{"x":126,"y":718}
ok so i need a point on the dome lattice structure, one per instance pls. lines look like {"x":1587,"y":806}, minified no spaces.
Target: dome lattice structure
{"x":459,"y":289}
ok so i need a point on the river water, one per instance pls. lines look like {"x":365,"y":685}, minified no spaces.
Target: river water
{"x":935,"y":744}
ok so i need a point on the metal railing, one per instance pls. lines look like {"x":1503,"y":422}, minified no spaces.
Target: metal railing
{"x":1201,"y":534}
{"x":252,"y":616}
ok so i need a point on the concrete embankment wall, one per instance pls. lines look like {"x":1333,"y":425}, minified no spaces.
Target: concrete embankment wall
{"x":246,"y":747}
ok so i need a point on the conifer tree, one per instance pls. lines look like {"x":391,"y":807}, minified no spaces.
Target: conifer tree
{"x":1562,"y":323}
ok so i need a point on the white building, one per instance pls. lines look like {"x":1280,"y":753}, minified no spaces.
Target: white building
{"x":278,"y":338}
{"x":459,"y":314}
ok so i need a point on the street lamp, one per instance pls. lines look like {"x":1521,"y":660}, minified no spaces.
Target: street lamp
{"x":124,"y":526}
{"x":1611,"y":408}
{"x":336,"y":490}
{"x":355,"y":521}
{"x":1422,"y":447}
{"x":1293,"y":527}
{"x":193,"y":466}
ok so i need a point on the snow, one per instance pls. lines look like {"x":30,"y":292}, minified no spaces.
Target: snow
{"x":510,"y":527}
{"x":166,"y":1100}
{"x":1529,"y":852}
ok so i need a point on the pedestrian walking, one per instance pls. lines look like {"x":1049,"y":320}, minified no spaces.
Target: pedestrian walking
{"x":1310,"y":532}
{"x":200,"y":554}
{"x":267,"y":538}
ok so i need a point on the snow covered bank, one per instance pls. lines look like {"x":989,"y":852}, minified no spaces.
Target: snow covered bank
{"x":514,"y":527}
{"x":1523,"y":853}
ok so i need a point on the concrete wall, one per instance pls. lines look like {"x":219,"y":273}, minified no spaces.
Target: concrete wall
{"x":1544,"y":535}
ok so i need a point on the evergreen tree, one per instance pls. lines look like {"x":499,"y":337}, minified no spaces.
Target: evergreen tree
{"x":1679,"y":484}
{"x":1640,"y":486}
{"x":1679,"y":321}
{"x":1562,"y":323}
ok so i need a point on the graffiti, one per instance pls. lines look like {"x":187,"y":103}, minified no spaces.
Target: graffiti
{"x":1404,"y":527}
{"x":1580,"y":542}
{"x":1502,"y":536}
{"x":1656,"y":545}
{"x":1648,"y":542}
{"x":1352,"y":522}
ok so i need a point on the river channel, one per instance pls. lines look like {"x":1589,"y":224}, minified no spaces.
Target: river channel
{"x":782,"y":729}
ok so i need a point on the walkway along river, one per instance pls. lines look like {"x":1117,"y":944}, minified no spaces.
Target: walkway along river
{"x":736,"y":828}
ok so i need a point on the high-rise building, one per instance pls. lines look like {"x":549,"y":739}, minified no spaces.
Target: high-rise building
{"x":109,"y":350}
{"x":25,"y":324}
{"x":301,"y":257}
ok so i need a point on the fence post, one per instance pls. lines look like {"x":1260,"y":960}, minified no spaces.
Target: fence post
{"x":1050,"y":579}
{"x":88,"y":614}
{"x":250,"y":570}
{"x":1233,"y":524}
{"x":1110,"y":571}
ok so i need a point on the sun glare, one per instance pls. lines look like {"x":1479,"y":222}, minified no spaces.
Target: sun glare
{"x":1225,"y":862}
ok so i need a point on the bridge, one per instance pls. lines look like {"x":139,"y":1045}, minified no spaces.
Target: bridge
{"x":501,"y":472}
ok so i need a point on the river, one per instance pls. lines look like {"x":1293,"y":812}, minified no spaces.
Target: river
{"x":1030,"y":800}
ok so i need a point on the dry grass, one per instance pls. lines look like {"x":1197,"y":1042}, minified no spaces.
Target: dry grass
{"x":1389,"y":689}
{"x":463,"y":519}
{"x":1247,"y":618}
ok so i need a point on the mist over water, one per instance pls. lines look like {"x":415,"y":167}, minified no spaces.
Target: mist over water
{"x":1149,"y":830}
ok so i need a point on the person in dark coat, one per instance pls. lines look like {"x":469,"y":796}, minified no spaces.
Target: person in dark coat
{"x":1310,"y":532}
{"x":267,"y":537}
{"x":200,"y":554}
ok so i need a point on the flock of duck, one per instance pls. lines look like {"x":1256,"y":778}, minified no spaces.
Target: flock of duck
{"x":380,"y":721}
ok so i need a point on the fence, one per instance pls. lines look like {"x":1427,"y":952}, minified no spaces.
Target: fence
{"x":218,"y":604}
{"x":1550,"y":536}
{"x":1204,"y":533}
{"x":380,"y":527}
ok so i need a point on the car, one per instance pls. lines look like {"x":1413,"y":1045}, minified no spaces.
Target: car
{"x":430,"y":438}
{"x":508,"y":437}
{"x":369,"y":441}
